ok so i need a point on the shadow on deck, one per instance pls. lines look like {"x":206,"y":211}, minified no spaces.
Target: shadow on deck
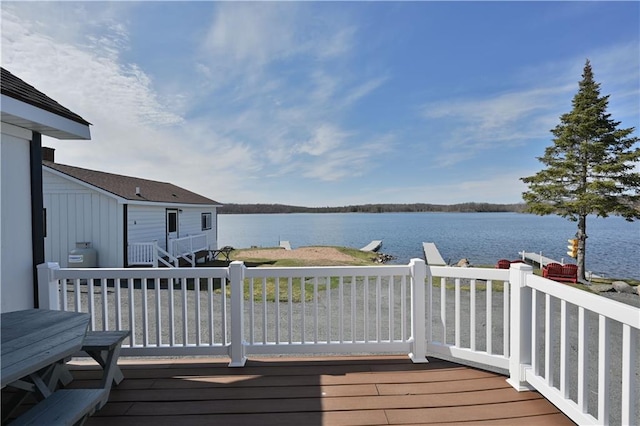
{"x":356,"y":390}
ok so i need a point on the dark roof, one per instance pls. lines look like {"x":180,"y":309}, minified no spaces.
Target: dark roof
{"x":125,"y":186}
{"x":13,"y":87}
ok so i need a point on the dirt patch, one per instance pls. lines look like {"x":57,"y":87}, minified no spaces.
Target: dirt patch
{"x":303,"y":253}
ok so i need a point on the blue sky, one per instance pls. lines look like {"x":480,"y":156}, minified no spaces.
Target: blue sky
{"x":323,"y":103}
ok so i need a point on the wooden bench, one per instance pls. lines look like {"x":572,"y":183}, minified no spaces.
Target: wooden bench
{"x":64,"y":407}
{"x":558,"y":272}
{"x":104,"y":347}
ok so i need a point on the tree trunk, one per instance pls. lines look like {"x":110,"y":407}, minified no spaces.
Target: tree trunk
{"x":582,"y":245}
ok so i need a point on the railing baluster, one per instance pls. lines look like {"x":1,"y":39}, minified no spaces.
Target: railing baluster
{"x":506,"y":324}
{"x":91,"y":306}
{"x":198,"y":326}
{"x":457,"y":313}
{"x":64,"y":292}
{"x":105,"y":304}
{"x":378,"y":313}
{"x":223,"y":310}
{"x":315,"y":309}
{"x":564,"y":368}
{"x":328,"y":309}
{"x":264,"y":310}
{"x":391,"y":297}
{"x":145,"y":313}
{"x":304,"y":306}
{"x":353,"y":309}
{"x":535,"y":329}
{"x":172,"y":313}
{"x":158,"y":313}
{"x":583,"y":360}
{"x":548,"y":340}
{"x":185,"y":318}
{"x":211,"y":316}
{"x":604,"y":344}
{"x":489,"y":313}
{"x":403,"y":308}
{"x":341,"y":309}
{"x":472,"y":315}
{"x":77,"y":294}
{"x":443,"y":308}
{"x":116,"y":284}
{"x":252,"y":320}
{"x":366,"y":309}
{"x":629,"y":356}
{"x":290,"y":305}
{"x":277,"y":308}
{"x":132,"y":312}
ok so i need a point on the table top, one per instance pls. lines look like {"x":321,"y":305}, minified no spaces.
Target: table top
{"x":35,"y":338}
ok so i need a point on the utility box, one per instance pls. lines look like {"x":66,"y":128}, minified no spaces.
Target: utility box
{"x":83,"y":256}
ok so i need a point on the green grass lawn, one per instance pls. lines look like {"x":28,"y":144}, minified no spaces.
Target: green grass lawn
{"x":358,"y":258}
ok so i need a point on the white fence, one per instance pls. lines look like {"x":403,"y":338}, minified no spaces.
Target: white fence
{"x":541,"y":333}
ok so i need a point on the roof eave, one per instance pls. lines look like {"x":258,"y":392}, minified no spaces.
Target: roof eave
{"x":29,"y":117}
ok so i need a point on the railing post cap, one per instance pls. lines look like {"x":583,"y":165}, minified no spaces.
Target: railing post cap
{"x":49,"y":265}
{"x":521,"y":266}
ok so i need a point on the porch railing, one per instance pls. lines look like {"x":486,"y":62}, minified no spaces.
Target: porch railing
{"x":544,"y":335}
{"x":150,"y":254}
{"x":187,"y":247}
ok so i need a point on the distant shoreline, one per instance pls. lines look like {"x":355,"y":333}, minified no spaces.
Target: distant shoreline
{"x":374,"y":208}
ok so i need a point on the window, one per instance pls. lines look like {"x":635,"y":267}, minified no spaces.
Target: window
{"x":206,"y":221}
{"x":172,"y":221}
{"x":44,"y":223}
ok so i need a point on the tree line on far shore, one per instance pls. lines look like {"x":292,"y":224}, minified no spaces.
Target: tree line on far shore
{"x":374,"y":208}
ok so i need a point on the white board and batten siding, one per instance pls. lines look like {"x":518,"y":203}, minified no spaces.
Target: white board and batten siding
{"x":76,"y":213}
{"x":16,"y":254}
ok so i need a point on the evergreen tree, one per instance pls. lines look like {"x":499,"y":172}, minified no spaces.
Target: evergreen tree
{"x":591,"y":168}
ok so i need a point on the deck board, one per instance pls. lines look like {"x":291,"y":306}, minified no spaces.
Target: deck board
{"x":313,"y":391}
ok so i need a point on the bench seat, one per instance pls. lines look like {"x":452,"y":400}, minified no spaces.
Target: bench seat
{"x":63,"y":407}
{"x":563,"y":273}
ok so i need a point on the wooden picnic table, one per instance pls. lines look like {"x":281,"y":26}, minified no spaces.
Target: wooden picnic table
{"x":34,"y":346}
{"x":225,"y":251}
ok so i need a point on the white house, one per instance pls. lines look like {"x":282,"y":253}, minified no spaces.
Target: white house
{"x":27,"y":114}
{"x":127,"y":220}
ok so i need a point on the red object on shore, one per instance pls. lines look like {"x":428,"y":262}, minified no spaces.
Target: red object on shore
{"x":503,"y":264}
{"x":563,"y":273}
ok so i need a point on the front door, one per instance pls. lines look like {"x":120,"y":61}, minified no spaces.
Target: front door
{"x":172,"y":226}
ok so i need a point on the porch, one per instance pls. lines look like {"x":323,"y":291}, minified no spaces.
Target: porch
{"x":334,"y":390}
{"x":184,"y":249}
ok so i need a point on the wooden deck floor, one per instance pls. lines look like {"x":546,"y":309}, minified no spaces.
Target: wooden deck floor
{"x":366,"y":390}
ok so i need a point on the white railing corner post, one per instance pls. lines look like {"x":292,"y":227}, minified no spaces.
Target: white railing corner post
{"x":418,"y":270}
{"x":48,"y":288}
{"x":520,"y":329}
{"x":237,"y":346}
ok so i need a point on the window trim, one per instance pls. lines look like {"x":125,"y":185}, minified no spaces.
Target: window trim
{"x":206,"y":221}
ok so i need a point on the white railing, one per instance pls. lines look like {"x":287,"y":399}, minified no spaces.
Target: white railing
{"x":469,"y":314}
{"x":150,"y":254}
{"x":187,"y":247}
{"x":566,"y":346}
{"x":539,"y":332}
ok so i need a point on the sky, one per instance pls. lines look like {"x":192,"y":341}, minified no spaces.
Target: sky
{"x":323,"y":103}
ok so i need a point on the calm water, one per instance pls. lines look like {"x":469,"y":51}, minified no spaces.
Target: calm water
{"x":613,"y":246}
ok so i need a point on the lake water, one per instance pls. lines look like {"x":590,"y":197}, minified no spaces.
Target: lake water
{"x":613,"y":244}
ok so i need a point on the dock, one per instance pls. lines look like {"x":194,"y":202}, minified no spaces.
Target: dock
{"x":372,"y":246}
{"x":538,"y":258}
{"x":432,"y":255}
{"x":285,"y":245}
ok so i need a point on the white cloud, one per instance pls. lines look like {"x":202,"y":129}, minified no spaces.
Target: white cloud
{"x":514,"y":118}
